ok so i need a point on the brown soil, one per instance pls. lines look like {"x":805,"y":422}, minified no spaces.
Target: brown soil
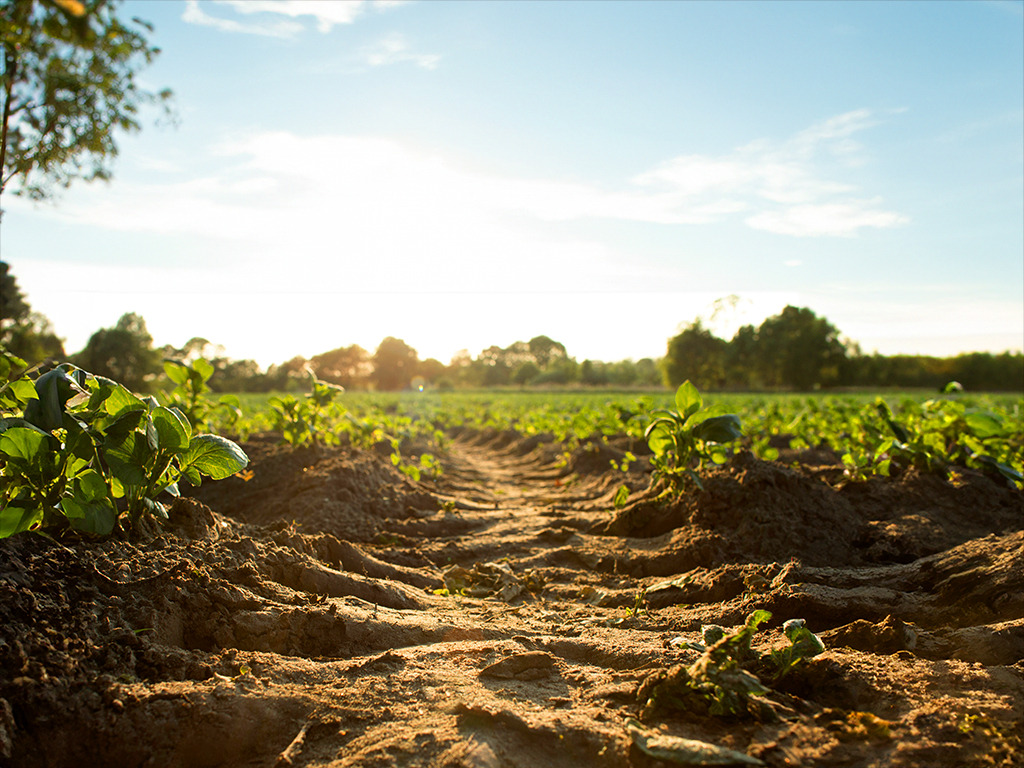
{"x":298,"y":618}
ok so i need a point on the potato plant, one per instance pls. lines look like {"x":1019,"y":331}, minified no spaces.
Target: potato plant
{"x":190,"y":394}
{"x":88,"y":455}
{"x":684,"y":438}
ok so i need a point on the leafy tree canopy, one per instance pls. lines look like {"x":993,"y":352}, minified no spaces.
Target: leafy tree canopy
{"x":696,"y":355}
{"x":123,"y":353}
{"x":394,"y":364}
{"x":69,"y":82}
{"x":25,"y":333}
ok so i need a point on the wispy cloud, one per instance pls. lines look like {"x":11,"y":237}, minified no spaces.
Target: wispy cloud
{"x":194,"y":14}
{"x":395,"y":49}
{"x":780,"y":187}
{"x":429,"y":221}
{"x":327,"y":14}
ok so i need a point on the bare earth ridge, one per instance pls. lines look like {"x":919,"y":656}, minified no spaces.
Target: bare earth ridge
{"x":330,"y":611}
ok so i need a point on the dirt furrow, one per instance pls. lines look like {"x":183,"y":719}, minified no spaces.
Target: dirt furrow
{"x":329,"y":611}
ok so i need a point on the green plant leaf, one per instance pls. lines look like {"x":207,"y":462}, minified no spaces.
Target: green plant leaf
{"x":719,"y":429}
{"x":22,"y":443}
{"x":128,"y":459}
{"x":688,"y":399}
{"x":97,"y":517}
{"x":120,"y":400}
{"x":659,"y":436}
{"x":214,"y":456}
{"x":176,"y":372}
{"x":123,"y":425}
{"x":173,"y":430}
{"x":91,"y":485}
{"x":203,"y":368}
{"x":53,"y":390}
{"x":984,"y":425}
{"x":15,"y":518}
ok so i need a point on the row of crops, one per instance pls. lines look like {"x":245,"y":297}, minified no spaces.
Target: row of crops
{"x":81,"y":451}
{"x":873,"y":434}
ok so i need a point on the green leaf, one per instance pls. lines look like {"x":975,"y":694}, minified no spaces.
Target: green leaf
{"x":120,"y":400}
{"x":23,"y":443}
{"x":15,"y":518}
{"x":180,"y":425}
{"x":129,"y":458}
{"x":203,"y":368}
{"x":719,"y":429}
{"x":53,"y":390}
{"x":176,"y":372}
{"x":97,"y":517}
{"x":688,"y":399}
{"x":1005,"y":470}
{"x":621,"y":496}
{"x":91,"y":485}
{"x":123,"y":425}
{"x":214,"y":456}
{"x":984,"y":425}
{"x":659,"y":436}
{"x":24,"y":390}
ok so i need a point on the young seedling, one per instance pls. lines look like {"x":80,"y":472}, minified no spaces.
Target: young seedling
{"x":189,"y":395}
{"x":683,"y":439}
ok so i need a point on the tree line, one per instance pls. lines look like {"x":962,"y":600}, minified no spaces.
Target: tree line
{"x":794,"y":350}
{"x":797,"y":350}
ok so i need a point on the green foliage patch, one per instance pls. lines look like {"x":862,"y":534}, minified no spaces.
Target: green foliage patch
{"x":88,"y":455}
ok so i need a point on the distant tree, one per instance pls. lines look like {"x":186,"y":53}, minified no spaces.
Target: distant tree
{"x":561,"y":371}
{"x":24,"y":333}
{"x":236,"y":376}
{"x":348,"y":366}
{"x":13,"y":306}
{"x":621,"y":373}
{"x":741,"y":359}
{"x":698,"y":355}
{"x":525,"y":373}
{"x":493,"y":369}
{"x":797,"y":348}
{"x":593,"y":373}
{"x":123,"y":353}
{"x":431,"y":370}
{"x":546,"y":351}
{"x":394,"y":364}
{"x":648,"y":372}
{"x":69,"y":82}
{"x":463,"y":371}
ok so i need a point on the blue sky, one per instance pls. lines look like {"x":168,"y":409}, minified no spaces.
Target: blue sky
{"x":462,"y":174}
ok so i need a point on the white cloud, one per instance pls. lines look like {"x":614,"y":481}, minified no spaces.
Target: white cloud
{"x":194,"y":14}
{"x":327,"y":14}
{"x":395,"y":49}
{"x":841,"y":219}
{"x":349,"y":204}
{"x":781,"y":187}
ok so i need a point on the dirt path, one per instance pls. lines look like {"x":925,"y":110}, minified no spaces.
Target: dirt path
{"x":331,"y":612}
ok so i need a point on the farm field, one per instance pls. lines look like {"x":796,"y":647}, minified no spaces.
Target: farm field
{"x":516,"y":579}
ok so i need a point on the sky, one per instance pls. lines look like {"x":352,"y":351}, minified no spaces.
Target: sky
{"x":466,"y":174}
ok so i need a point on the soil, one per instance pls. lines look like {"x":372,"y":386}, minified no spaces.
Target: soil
{"x":325,"y":609}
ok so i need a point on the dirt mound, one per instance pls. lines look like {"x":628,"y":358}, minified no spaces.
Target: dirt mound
{"x":758,"y":511}
{"x":341,"y":491}
{"x":314,"y":614}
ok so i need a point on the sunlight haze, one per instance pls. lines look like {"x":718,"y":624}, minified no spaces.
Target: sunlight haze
{"x":467,"y":174}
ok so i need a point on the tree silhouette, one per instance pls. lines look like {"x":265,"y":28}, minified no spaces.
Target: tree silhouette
{"x":123,"y":353}
{"x":394,"y":364}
